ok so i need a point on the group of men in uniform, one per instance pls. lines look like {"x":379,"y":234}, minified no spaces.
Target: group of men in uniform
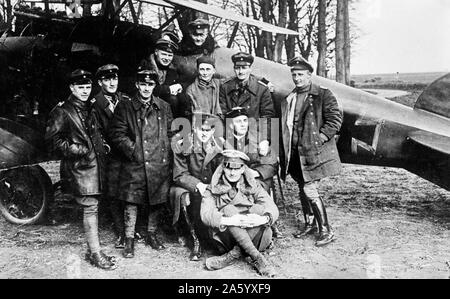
{"x":128,"y":152}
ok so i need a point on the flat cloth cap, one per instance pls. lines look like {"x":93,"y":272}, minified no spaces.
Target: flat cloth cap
{"x":242,"y":59}
{"x":166,"y":45}
{"x":234,"y":158}
{"x":147,"y":75}
{"x":299,"y":63}
{"x":107,"y":71}
{"x":79,"y":77}
{"x":206,"y":59}
{"x":236,"y":111}
{"x":200,"y":118}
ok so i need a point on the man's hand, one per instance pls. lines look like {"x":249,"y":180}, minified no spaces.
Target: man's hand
{"x":175,"y":89}
{"x":264,"y":148}
{"x":201,"y":188}
{"x":323,"y":137}
{"x":245,"y":221}
{"x":271,"y":87}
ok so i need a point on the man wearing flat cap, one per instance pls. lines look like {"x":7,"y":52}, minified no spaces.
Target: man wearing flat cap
{"x":196,"y":160}
{"x":198,"y":41}
{"x":247,"y":91}
{"x":239,"y":212}
{"x":310,"y":120}
{"x":170,"y":87}
{"x":104,"y":104}
{"x":140,"y":131}
{"x":73,"y":135}
{"x":203,"y":93}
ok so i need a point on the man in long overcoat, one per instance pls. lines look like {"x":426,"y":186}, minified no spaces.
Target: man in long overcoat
{"x":140,"y":130}
{"x":73,"y":134}
{"x":310,"y":120}
{"x":194,"y":164}
{"x":103,"y":106}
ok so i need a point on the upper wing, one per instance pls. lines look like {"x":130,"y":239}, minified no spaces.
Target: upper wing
{"x":222,"y":13}
{"x":158,"y":2}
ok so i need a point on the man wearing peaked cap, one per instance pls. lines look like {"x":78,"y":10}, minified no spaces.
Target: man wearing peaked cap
{"x":198,"y":39}
{"x":140,"y":130}
{"x":194,"y":164}
{"x":239,"y":213}
{"x":104,"y":104}
{"x":299,"y":63}
{"x":203,"y":93}
{"x":169,"y":81}
{"x":245,"y":90}
{"x":311,"y":118}
{"x":73,"y":135}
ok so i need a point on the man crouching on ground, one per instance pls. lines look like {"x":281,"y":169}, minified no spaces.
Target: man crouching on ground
{"x":240,"y":213}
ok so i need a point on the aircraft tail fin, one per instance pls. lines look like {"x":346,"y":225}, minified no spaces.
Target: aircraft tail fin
{"x":436,"y":97}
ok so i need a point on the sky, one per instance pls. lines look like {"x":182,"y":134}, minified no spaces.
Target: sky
{"x":401,"y":36}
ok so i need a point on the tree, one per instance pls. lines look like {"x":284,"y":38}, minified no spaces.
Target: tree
{"x":322,"y":39}
{"x":340,"y":41}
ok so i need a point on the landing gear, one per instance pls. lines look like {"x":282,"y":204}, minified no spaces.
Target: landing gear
{"x":25,"y":194}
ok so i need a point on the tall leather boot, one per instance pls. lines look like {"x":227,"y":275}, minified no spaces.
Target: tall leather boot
{"x":308,"y":216}
{"x":326,"y":234}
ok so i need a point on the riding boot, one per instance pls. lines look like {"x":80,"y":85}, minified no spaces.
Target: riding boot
{"x":128,"y":251}
{"x":325,"y":232}
{"x":308,"y":216}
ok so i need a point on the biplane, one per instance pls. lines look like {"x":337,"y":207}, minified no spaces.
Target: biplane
{"x":376,"y":131}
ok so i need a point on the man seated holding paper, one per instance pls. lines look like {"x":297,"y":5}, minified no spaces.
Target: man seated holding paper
{"x":239,"y":212}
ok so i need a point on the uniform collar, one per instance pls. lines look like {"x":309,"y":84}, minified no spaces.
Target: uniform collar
{"x":138,"y":104}
{"x":78,"y":103}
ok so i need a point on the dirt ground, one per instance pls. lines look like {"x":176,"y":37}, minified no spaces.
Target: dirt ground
{"x":389,"y":224}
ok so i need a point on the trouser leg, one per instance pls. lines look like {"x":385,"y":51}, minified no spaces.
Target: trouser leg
{"x":130,"y":216}
{"x":90,"y":224}
{"x":317,"y":205}
{"x":117,"y":212}
{"x":308,"y":213}
{"x":244,"y":240}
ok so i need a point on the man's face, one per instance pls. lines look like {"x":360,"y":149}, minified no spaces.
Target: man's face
{"x":199,"y":36}
{"x":206,"y":71}
{"x":233,"y":175}
{"x":240,"y":125}
{"x":163,"y":57}
{"x":145,"y":89}
{"x":109,"y":85}
{"x":301,"y":78}
{"x":242,"y":72}
{"x":81,"y":91}
{"x":204,"y":133}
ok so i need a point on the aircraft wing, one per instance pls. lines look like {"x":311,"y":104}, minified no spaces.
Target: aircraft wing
{"x":222,"y":13}
{"x":432,"y":141}
{"x":159,"y":2}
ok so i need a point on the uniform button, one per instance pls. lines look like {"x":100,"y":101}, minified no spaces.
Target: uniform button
{"x":317,"y":143}
{"x":146,"y":163}
{"x":159,"y":118}
{"x":164,"y":160}
{"x":139,"y":119}
{"x":312,"y":123}
{"x":312,"y":113}
{"x":145,"y":141}
{"x":206,"y":178}
{"x":314,"y":133}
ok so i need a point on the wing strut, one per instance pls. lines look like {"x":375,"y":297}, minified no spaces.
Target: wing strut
{"x":233,"y":35}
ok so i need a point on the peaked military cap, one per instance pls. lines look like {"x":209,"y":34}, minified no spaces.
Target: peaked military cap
{"x":299,"y":63}
{"x":145,"y":74}
{"x":242,"y":59}
{"x":206,"y":59}
{"x":200,"y":118}
{"x":166,"y":45}
{"x":236,"y":111}
{"x":198,"y":24}
{"x":107,"y":71}
{"x":234,"y":158}
{"x":171,"y":33}
{"x":79,"y":77}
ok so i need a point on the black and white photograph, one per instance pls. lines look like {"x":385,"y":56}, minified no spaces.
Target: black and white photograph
{"x":224,"y":140}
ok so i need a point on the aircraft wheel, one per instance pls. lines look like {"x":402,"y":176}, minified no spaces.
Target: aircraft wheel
{"x":25,"y":194}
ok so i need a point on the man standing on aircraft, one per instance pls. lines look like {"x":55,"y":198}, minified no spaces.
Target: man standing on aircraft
{"x":310,"y":119}
{"x":199,"y":40}
{"x":73,"y":134}
{"x":246,"y":91}
{"x":170,"y":88}
{"x":140,"y":130}
{"x":239,"y":213}
{"x":104,"y":104}
{"x":194,"y":165}
{"x":203,"y":93}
